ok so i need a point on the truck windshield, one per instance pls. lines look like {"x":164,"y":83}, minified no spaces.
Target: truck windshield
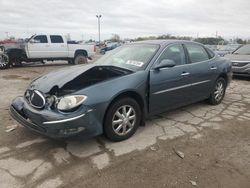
{"x":27,"y":40}
{"x":133,"y":57}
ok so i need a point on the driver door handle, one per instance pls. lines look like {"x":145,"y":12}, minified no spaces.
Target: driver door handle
{"x":185,"y":74}
{"x":213,"y":68}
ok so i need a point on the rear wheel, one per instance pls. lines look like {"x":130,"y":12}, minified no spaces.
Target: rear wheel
{"x":80,"y":59}
{"x":16,"y":63}
{"x":122,"y":119}
{"x":218,"y":92}
{"x":4,"y":61}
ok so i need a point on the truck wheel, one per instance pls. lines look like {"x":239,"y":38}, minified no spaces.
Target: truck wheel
{"x":71,"y":61}
{"x":2,"y":48}
{"x":16,"y":63}
{"x":4,"y":61}
{"x":80,"y":59}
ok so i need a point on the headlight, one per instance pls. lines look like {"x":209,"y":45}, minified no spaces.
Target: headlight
{"x":70,"y":102}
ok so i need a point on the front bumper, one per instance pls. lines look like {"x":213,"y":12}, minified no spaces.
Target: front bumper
{"x":54,"y":124}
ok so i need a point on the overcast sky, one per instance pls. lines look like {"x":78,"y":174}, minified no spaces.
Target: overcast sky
{"x":129,"y":19}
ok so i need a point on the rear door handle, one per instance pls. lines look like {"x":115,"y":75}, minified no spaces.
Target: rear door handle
{"x":213,"y":68}
{"x":185,"y":74}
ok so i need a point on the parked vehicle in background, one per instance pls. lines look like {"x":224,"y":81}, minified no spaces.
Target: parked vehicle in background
{"x":115,"y":94}
{"x":109,"y":46}
{"x":7,"y":44}
{"x":240,"y":60}
{"x":222,"y":50}
{"x":211,"y":47}
{"x":48,"y":47}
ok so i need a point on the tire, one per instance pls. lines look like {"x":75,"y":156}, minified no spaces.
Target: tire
{"x":80,"y":59}
{"x":2,"y":48}
{"x":218,"y":91}
{"x":4,"y":61}
{"x":16,"y":63}
{"x":119,"y":125}
{"x":70,"y":61}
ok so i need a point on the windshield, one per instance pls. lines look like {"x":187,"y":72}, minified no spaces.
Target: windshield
{"x":244,"y":50}
{"x":27,"y":40}
{"x":133,"y":57}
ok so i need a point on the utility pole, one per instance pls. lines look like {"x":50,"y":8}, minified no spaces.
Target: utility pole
{"x":99,"y":30}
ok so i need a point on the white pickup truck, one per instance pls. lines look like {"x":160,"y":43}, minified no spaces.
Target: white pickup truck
{"x":47,"y":47}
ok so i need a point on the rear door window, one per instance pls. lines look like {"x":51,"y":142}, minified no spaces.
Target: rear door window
{"x":197,"y":53}
{"x":56,"y":39}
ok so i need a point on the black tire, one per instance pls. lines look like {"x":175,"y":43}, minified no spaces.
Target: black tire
{"x":16,"y":63}
{"x":214,"y":98}
{"x":80,"y":59}
{"x":131,"y":127}
{"x":2,"y":48}
{"x":4,"y":61}
{"x":71,"y":61}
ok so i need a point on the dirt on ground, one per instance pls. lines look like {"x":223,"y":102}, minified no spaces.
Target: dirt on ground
{"x":219,"y":159}
{"x":196,"y":146}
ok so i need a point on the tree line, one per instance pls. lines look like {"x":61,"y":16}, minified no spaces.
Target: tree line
{"x":204,"y":40}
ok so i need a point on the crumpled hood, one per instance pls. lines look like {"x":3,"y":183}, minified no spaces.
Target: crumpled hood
{"x":236,"y":57}
{"x":75,"y":78}
{"x":59,"y":78}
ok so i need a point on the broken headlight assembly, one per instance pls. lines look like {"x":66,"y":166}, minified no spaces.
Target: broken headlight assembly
{"x":70,"y":103}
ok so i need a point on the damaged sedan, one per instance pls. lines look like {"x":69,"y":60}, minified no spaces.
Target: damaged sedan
{"x":119,"y":91}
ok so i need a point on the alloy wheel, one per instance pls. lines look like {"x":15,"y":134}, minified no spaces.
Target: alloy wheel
{"x":219,"y":91}
{"x":124,"y":120}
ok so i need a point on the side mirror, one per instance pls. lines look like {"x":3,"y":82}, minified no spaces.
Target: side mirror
{"x":165,"y":63}
{"x":32,"y":41}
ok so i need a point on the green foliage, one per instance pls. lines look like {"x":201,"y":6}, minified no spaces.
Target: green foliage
{"x":168,"y":36}
{"x":115,"y":38}
{"x":241,"y":41}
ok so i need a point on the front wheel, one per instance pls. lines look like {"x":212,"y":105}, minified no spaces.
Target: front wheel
{"x":4,"y":61}
{"x":71,"y":61}
{"x":218,"y":92}
{"x":80,"y":59}
{"x":122,"y":119}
